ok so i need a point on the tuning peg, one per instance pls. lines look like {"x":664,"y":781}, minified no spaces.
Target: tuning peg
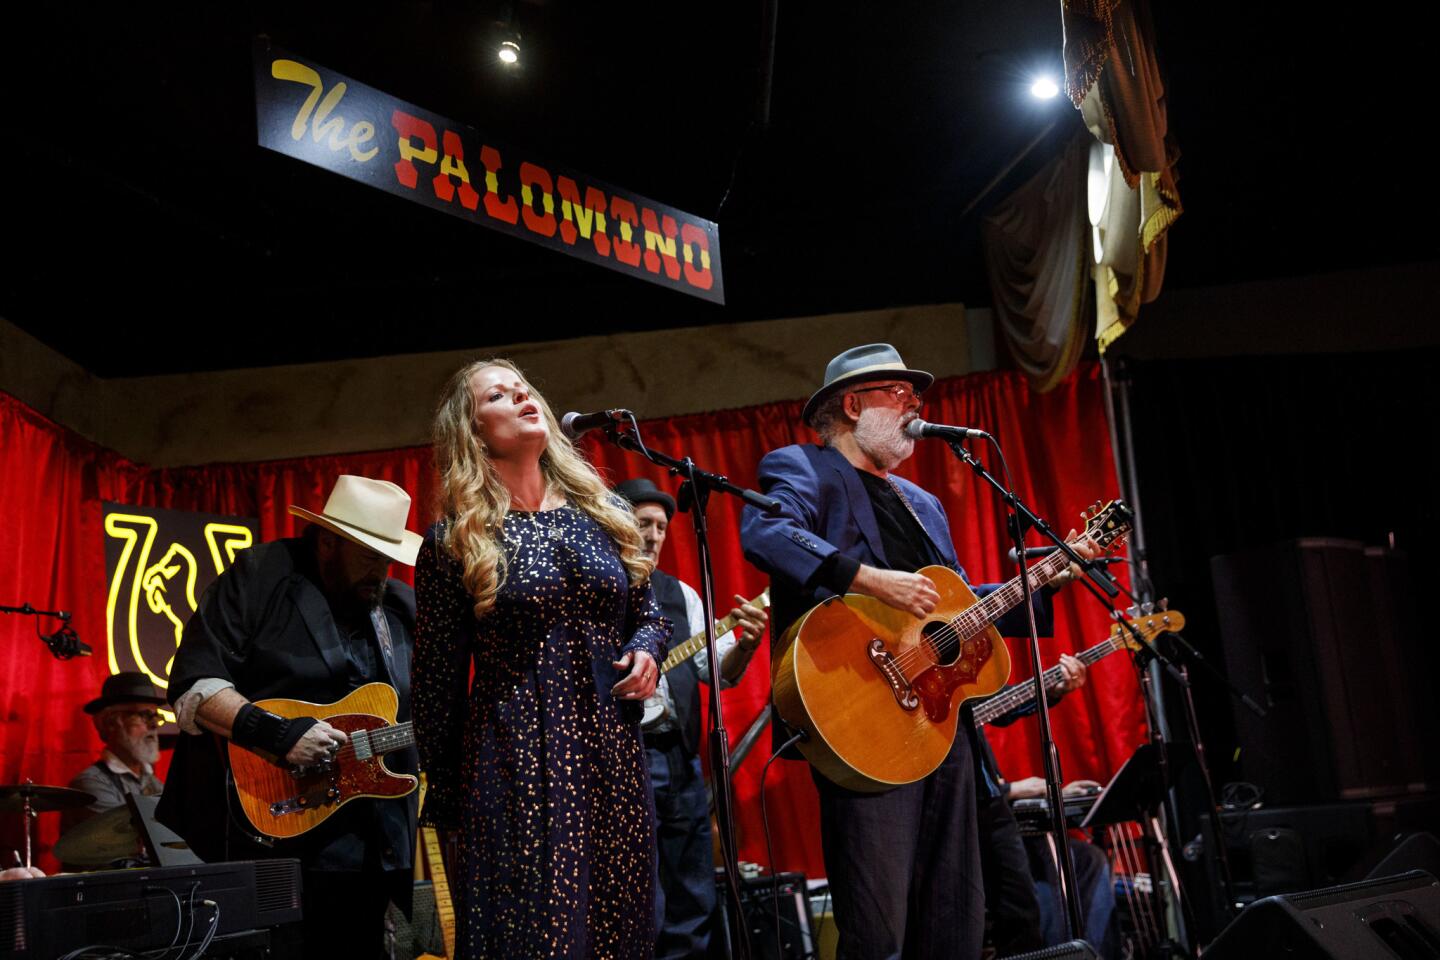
{"x":1132,"y":611}
{"x":1164,"y":603}
{"x":1147,"y":607}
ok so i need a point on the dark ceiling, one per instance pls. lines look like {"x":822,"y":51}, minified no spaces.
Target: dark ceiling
{"x":148,"y":233}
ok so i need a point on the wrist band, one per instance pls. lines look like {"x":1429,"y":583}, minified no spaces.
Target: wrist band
{"x":255,"y":728}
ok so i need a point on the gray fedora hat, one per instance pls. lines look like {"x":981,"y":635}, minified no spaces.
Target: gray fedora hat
{"x":874,"y":361}
{"x":640,"y":490}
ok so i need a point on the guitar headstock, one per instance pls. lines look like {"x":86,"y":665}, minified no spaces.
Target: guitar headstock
{"x":1106,"y":526}
{"x":1149,"y":624}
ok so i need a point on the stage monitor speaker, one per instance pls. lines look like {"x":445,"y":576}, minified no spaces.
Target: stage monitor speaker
{"x":1417,"y":851}
{"x":1074,"y":950}
{"x":1397,"y":918}
{"x":1317,"y":629}
{"x":761,"y":898}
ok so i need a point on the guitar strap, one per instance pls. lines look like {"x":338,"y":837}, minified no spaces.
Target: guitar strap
{"x":935,"y":549}
{"x":387,"y":645}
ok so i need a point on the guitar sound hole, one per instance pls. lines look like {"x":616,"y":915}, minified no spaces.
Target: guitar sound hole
{"x":940,"y":642}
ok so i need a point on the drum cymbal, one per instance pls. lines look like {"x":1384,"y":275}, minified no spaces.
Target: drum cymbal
{"x":104,"y":838}
{"x":42,"y":798}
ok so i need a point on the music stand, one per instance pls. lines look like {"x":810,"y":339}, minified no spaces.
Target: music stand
{"x":165,"y":847}
{"x":1138,"y":787}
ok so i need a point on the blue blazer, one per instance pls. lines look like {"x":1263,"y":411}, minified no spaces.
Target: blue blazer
{"x":826,"y":510}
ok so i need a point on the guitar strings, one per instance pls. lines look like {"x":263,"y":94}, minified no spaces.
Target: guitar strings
{"x":985,"y":611}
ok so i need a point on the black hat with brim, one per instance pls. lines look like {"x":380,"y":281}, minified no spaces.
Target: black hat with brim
{"x":126,"y":687}
{"x":639,"y":490}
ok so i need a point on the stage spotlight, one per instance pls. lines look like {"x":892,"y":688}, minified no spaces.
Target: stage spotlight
{"x":1043,"y":88}
{"x":509,"y":51}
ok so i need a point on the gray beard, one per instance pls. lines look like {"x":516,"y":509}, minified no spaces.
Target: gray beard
{"x":879,"y":436}
{"x":145,"y":748}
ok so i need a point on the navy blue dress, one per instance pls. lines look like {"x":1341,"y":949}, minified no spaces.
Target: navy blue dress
{"x":541,"y":770}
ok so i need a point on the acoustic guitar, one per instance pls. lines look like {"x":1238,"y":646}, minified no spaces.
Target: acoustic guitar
{"x":1148,"y":625}
{"x":875,"y":689}
{"x":286,"y":801}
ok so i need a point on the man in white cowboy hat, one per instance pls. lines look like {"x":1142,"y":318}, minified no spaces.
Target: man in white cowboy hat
{"x":308,"y":618}
{"x":903,"y":865}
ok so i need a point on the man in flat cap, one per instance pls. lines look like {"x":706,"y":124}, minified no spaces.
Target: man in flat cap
{"x":309,"y":618}
{"x":685,"y":901}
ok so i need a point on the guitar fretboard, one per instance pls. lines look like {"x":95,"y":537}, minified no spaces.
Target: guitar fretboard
{"x":981,"y":615}
{"x":689,"y":648}
{"x":1023,"y":694}
{"x":382,"y":740}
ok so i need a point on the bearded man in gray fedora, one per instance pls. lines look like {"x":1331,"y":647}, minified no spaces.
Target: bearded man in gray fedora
{"x":904,"y":865}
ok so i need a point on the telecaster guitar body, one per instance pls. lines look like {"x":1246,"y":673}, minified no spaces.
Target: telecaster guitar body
{"x":284,"y":802}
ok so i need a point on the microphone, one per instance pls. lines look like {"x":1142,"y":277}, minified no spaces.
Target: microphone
{"x":1032,"y":552}
{"x":574,"y":424}
{"x":918,"y":429}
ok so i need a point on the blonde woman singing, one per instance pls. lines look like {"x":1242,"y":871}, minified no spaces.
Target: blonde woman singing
{"x":537,"y":577}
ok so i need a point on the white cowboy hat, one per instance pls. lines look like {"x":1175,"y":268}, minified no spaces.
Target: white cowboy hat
{"x":370,"y":512}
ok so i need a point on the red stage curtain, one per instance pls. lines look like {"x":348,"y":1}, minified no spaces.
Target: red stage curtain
{"x":52,"y":555}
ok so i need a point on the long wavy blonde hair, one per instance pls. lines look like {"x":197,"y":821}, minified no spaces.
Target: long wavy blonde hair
{"x":474,"y":502}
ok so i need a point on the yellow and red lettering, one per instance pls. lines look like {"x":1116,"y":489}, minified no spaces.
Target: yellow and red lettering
{"x":453,"y":165}
{"x":501,"y":209}
{"x":660,"y":244}
{"x":409,"y":128}
{"x":692,"y":236}
{"x":626,"y":250}
{"x":576,"y":219}
{"x":532,"y":176}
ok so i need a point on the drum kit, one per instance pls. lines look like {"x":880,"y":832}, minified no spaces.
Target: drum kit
{"x":98,"y":841}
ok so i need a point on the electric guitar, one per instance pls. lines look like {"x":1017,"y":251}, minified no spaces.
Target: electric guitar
{"x":874,"y":689}
{"x":1148,"y":625}
{"x":655,"y":703}
{"x":286,"y":801}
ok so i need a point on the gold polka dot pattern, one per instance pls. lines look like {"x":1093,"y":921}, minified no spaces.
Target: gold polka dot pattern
{"x":538,"y":766}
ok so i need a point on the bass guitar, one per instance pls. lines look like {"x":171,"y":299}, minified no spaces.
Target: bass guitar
{"x":1148,"y":626}
{"x":286,"y":801}
{"x":874,"y":689}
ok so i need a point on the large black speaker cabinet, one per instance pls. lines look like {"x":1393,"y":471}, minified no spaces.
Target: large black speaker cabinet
{"x":1074,"y":950}
{"x":1392,"y":919}
{"x":1323,"y":632}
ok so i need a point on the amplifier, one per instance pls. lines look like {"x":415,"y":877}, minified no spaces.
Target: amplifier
{"x":767,"y":899}
{"x":138,"y":909}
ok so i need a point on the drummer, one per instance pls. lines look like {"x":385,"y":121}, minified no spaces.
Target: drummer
{"x":125,"y":715}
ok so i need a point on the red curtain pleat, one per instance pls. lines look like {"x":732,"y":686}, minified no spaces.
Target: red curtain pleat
{"x":52,"y":555}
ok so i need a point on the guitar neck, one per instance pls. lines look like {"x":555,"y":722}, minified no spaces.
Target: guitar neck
{"x":1023,"y":694}
{"x":383,"y":740}
{"x":995,"y":605}
{"x":689,"y":648}
{"x":444,"y":906}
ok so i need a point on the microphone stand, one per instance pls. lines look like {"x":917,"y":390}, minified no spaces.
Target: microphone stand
{"x":695,"y":496}
{"x":1021,"y":519}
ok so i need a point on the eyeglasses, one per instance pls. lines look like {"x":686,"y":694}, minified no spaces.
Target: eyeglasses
{"x":900,"y":391}
{"x":150,"y":717}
